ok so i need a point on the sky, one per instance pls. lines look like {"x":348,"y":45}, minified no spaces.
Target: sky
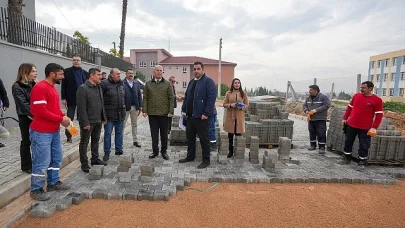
{"x":272,"y":41}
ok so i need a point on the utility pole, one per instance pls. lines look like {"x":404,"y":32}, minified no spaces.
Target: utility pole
{"x":219,"y":68}
{"x":114,"y":45}
{"x":314,"y":81}
{"x":169,"y":44}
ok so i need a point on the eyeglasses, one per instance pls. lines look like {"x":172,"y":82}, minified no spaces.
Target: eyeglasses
{"x":195,"y":69}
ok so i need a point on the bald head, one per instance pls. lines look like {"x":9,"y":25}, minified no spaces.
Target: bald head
{"x":115,"y":74}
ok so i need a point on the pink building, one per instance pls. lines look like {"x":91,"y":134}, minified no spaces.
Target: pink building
{"x":145,"y":60}
{"x":182,"y":69}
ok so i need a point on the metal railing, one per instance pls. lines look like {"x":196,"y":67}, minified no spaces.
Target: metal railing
{"x":17,"y":29}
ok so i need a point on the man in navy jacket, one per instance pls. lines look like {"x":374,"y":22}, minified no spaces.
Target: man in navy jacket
{"x":198,"y":105}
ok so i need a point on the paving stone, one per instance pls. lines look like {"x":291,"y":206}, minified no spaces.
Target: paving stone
{"x":116,"y":193}
{"x":77,"y":197}
{"x":130,"y":194}
{"x":122,"y":168}
{"x":124,"y":177}
{"x":62,"y":203}
{"x":145,"y":195}
{"x":43,"y":211}
{"x":100,"y":193}
{"x":179,"y":185}
{"x":147,"y":179}
{"x":160,"y":195}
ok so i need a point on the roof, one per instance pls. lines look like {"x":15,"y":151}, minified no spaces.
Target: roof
{"x":191,"y":59}
{"x":128,"y":59}
{"x":152,"y":50}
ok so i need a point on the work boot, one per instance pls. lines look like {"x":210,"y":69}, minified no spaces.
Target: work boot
{"x":321,"y":151}
{"x":361,"y":165}
{"x":119,"y":152}
{"x":40,"y":195}
{"x":346,"y":159}
{"x":106,"y":157}
{"x":311,"y":148}
{"x":230,"y":154}
{"x":85,"y":167}
{"x":58,"y":186}
{"x":98,"y":162}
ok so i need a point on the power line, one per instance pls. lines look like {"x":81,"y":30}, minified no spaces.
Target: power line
{"x":64,"y":16}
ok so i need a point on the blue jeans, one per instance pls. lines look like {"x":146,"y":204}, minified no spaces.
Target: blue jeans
{"x":213,"y":120}
{"x":46,"y":158}
{"x":119,"y":135}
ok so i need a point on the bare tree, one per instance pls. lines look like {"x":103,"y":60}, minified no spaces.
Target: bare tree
{"x":14,"y":26}
{"x":123,"y":22}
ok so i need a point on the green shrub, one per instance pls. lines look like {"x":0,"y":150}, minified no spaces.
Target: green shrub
{"x":394,"y":106}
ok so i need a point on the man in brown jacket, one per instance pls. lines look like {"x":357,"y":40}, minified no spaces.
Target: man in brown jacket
{"x":158,"y":104}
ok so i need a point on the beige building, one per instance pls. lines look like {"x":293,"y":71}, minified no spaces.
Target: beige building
{"x":387,"y":72}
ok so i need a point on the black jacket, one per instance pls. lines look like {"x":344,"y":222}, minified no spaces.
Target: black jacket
{"x":175,"y":96}
{"x":132,"y":94}
{"x":22,"y":94}
{"x":3,"y":95}
{"x":114,"y":99}
{"x":90,"y":104}
{"x":69,"y":87}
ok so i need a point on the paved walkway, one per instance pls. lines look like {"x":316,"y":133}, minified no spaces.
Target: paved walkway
{"x":171,"y":176}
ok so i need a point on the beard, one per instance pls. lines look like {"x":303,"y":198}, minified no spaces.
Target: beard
{"x":57,"y":82}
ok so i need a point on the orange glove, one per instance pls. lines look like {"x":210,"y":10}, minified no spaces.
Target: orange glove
{"x":313,"y":111}
{"x":308,"y":117}
{"x":372,"y":132}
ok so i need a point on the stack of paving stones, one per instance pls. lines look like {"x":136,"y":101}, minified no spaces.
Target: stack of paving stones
{"x":198,"y":150}
{"x":239,"y":148}
{"x":223,"y":148}
{"x":96,"y":172}
{"x":388,"y":145}
{"x":269,"y":161}
{"x":268,"y":121}
{"x":177,"y":136}
{"x":254,"y":150}
{"x":147,"y":172}
{"x":284,"y":149}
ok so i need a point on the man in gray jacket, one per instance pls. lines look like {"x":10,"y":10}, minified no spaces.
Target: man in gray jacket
{"x":90,"y":107}
{"x":316,"y":107}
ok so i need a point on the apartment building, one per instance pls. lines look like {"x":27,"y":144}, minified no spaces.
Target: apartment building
{"x":387,"y":72}
{"x":145,"y":60}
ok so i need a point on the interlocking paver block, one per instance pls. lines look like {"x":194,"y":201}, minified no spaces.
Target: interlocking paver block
{"x":130,"y":194}
{"x":62,"y":203}
{"x":100,"y":193}
{"x":124,"y":177}
{"x":43,"y":211}
{"x":116,"y":193}
{"x":145,"y":195}
{"x":77,"y":198}
{"x":160,"y":195}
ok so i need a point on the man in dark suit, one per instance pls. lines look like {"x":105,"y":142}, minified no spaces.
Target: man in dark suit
{"x":4,"y":102}
{"x":75,"y":76}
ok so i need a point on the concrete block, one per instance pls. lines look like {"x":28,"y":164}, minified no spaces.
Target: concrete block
{"x":145,"y":195}
{"x":77,"y":198}
{"x":122,"y":168}
{"x":284,"y":149}
{"x":125,"y":160}
{"x":62,"y":203}
{"x":43,"y":211}
{"x":116,"y":193}
{"x":96,"y":172}
{"x":160,"y":195}
{"x":222,"y":159}
{"x":100,"y":193}
{"x":179,"y":184}
{"x":145,"y":178}
{"x":124,"y":177}
{"x":130,"y":194}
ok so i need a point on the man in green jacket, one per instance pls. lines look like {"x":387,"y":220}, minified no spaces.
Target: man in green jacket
{"x":158,"y":104}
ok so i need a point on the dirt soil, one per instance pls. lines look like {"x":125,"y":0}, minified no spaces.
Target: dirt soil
{"x":245,"y":205}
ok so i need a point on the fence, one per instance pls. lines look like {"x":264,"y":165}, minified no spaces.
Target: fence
{"x":17,"y":29}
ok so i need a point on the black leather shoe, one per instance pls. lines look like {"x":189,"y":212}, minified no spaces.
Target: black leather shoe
{"x":119,"y":152}
{"x":203,"y":165}
{"x":85,"y":167}
{"x":165,"y":156}
{"x":29,"y":171}
{"x":106,"y":158}
{"x":69,"y":139}
{"x":184,"y":160}
{"x":137,"y":144}
{"x":98,"y":162}
{"x":153,"y":155}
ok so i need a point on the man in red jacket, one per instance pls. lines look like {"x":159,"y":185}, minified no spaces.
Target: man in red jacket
{"x":363,"y":116}
{"x":44,"y":134}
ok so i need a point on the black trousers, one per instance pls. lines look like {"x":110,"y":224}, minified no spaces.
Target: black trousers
{"x":85,"y":135}
{"x":200,"y":127}
{"x":169,"y":125}
{"x":317,"y":131}
{"x":25,"y":145}
{"x":364,"y":141}
{"x":158,"y":124}
{"x":71,"y":114}
{"x":231,"y":136}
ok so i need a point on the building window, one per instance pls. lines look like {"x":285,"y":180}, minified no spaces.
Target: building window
{"x":385,"y":77}
{"x":394,"y":61}
{"x":403,"y":60}
{"x":142,"y":64}
{"x":151,"y":77}
{"x":379,"y":63}
{"x":184,"y":84}
{"x":392,"y":77}
{"x":372,"y":64}
{"x":163,"y":70}
{"x":391,"y":92}
{"x":386,"y":62}
{"x":372,"y":78}
{"x":402,"y":76}
{"x":401,"y":92}
{"x":184,"y":69}
{"x":153,"y":63}
{"x":384,"y":92}
{"x":375,"y":90}
{"x":378,"y":78}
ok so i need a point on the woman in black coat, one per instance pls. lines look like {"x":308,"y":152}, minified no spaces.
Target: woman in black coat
{"x":26,"y":77}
